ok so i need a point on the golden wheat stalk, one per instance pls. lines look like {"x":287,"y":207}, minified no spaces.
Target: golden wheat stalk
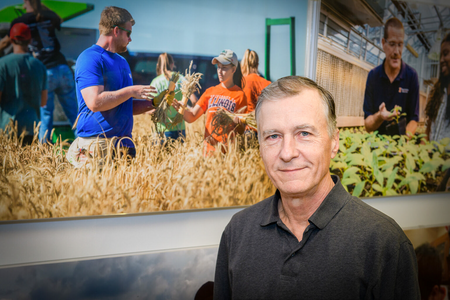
{"x":190,"y":85}
{"x":160,"y":115}
{"x":225,"y":118}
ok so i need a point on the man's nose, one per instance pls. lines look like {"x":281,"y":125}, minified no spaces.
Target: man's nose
{"x":290,"y":149}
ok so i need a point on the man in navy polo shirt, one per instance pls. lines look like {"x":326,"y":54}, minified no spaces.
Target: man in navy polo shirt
{"x":392,"y":84}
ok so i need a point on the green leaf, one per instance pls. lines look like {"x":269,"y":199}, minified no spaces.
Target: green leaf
{"x":359,"y":188}
{"x":338,"y":165}
{"x":342,"y":146}
{"x":431,"y":165}
{"x":445,"y":141}
{"x":374,"y":164}
{"x":411,"y":149}
{"x":414,"y":186}
{"x":391,"y":192}
{"x":391,"y":178}
{"x":355,"y":159}
{"x":379,"y":176}
{"x":416,"y":176}
{"x":348,"y":181}
{"x":365,"y":151}
{"x":352,"y":148}
{"x":405,"y":181}
{"x":410,"y":163}
{"x":424,"y":156}
{"x":446,"y":165}
{"x":350,"y":172}
{"x":377,"y":187}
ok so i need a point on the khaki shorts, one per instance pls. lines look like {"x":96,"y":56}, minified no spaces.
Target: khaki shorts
{"x":84,"y":149}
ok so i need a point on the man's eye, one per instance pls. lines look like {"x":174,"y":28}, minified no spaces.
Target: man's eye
{"x":304,"y":133}
{"x":272,"y":136}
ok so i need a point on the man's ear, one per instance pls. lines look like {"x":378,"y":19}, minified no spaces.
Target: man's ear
{"x":335,"y":144}
{"x":115,"y":31}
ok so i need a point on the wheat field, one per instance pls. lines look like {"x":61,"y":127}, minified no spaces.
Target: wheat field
{"x":37,"y":181}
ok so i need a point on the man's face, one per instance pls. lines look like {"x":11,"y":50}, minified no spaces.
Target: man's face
{"x":445,"y":59}
{"x":294,"y":143}
{"x":393,"y":47}
{"x":123,"y":38}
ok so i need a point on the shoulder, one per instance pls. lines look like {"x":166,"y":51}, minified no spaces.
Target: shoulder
{"x":410,"y":72}
{"x":50,"y":15}
{"x":213,"y":89}
{"x":37,"y":62}
{"x":92,"y":53}
{"x":375,"y":71}
{"x":377,"y":226}
{"x":120,"y":58}
{"x":25,"y":18}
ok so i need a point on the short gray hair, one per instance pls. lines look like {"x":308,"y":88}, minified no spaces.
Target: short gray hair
{"x":290,"y":86}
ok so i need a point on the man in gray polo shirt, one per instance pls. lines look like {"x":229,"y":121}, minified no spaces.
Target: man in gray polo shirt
{"x":311,"y":240}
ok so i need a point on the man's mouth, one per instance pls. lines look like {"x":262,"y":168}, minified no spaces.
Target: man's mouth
{"x":291,"y":170}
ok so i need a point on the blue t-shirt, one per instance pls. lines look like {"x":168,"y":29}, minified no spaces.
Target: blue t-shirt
{"x":96,"y":66}
{"x":22,"y":80}
{"x":403,"y":91}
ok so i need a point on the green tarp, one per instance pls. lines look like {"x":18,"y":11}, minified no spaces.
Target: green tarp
{"x":66,"y":10}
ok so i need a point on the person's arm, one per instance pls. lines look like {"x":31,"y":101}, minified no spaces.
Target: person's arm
{"x":407,"y":278}
{"x":374,"y":121}
{"x":5,"y":42}
{"x":374,"y":116}
{"x":142,"y":106}
{"x":192,"y":114}
{"x":97,"y":99}
{"x":411,"y":128}
{"x":44,"y":97}
{"x":193,"y":99}
{"x":398,"y":277}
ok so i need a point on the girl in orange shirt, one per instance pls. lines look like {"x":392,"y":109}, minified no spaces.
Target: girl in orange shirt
{"x":254,"y":84}
{"x":227,"y":95}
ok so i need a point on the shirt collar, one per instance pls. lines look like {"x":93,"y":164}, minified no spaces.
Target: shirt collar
{"x":400,"y":75}
{"x":331,"y":205}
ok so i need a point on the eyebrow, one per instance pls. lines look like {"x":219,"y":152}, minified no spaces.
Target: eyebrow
{"x":303,"y":126}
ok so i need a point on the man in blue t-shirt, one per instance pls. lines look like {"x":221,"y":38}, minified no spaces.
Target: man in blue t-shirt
{"x":23,"y":84}
{"x":105,"y":90}
{"x":392,"y":84}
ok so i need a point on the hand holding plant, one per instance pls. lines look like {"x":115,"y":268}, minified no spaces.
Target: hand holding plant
{"x":396,"y":113}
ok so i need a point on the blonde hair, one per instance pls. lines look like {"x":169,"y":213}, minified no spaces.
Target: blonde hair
{"x":113,"y":16}
{"x":164,"y":65}
{"x":250,"y":62}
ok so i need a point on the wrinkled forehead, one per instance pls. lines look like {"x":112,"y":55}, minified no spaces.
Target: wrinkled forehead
{"x":312,"y":95}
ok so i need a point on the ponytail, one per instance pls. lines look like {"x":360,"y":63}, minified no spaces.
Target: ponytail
{"x":250,"y":62}
{"x":238,"y":78}
{"x":164,"y":65}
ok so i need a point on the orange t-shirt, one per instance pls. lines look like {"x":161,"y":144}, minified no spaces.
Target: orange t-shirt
{"x":231,"y":99}
{"x":254,"y":84}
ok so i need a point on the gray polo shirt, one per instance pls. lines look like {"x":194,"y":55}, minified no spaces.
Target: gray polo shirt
{"x":349,"y":251}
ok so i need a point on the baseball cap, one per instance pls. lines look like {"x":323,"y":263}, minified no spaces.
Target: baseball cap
{"x":20,"y":32}
{"x":226,"y":57}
